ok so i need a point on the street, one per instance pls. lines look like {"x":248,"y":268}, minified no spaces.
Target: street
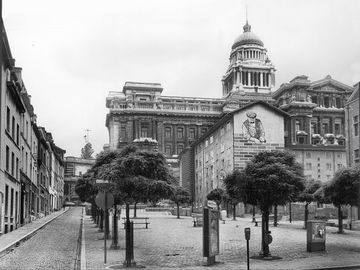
{"x":52,"y":247}
{"x":172,"y":243}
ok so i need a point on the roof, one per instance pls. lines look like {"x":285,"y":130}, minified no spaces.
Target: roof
{"x":229,"y":115}
{"x":247,"y":37}
{"x":355,"y":94}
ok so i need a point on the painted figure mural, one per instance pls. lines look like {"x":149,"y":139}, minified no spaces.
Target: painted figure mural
{"x":253,"y":129}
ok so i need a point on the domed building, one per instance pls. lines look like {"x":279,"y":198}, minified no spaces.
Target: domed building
{"x":250,"y":70}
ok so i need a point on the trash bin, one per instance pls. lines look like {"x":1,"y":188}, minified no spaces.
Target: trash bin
{"x":316,"y":235}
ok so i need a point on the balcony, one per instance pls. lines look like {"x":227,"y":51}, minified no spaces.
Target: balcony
{"x":196,"y":107}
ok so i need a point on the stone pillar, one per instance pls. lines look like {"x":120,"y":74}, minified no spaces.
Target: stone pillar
{"x":261,"y":79}
{"x":320,"y":126}
{"x":173,"y":147}
{"x":332,"y":125}
{"x":249,"y":79}
{"x":238,"y":80}
{"x":308,"y":129}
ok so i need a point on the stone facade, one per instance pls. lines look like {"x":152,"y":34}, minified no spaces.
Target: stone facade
{"x":25,"y":161}
{"x":74,"y":169}
{"x":141,"y":111}
{"x":315,"y":132}
{"x":352,"y":112}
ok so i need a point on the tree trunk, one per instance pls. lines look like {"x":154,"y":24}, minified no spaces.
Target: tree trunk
{"x":127,"y":212}
{"x":227,"y":209}
{"x":253,"y":213}
{"x":234,"y":212}
{"x":275,"y":216}
{"x":178,"y":210}
{"x":135,"y":209}
{"x":306,"y":215}
{"x":290,"y":212}
{"x":115,"y":238}
{"x":101,"y":225}
{"x":341,"y":230}
{"x":93,"y":212}
{"x":265,"y":252}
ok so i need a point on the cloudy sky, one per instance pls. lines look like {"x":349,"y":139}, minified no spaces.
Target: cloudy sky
{"x":73,"y":52}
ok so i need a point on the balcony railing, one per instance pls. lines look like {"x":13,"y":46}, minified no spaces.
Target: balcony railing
{"x":149,"y":105}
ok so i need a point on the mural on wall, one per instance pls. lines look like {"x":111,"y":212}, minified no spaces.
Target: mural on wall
{"x":253,"y":129}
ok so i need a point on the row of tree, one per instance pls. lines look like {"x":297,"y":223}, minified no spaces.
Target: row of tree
{"x":133,"y":176}
{"x":270,"y":179}
{"x":274,"y":178}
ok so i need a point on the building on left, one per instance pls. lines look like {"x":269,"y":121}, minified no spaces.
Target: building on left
{"x":31,"y":164}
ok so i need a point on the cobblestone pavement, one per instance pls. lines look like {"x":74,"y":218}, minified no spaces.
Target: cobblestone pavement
{"x":172,"y":243}
{"x":52,"y":247}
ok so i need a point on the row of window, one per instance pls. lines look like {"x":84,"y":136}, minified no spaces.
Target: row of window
{"x":325,"y":126}
{"x":169,"y":149}
{"x":11,"y":128}
{"x":308,"y":166}
{"x":12,"y":166}
{"x":327,"y":155}
{"x":180,"y":132}
{"x":13,"y":210}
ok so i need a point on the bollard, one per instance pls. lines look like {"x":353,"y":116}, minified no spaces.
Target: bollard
{"x":247,"y":237}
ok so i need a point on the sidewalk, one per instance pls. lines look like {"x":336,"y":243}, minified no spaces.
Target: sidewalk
{"x":9,"y":240}
{"x":172,"y":243}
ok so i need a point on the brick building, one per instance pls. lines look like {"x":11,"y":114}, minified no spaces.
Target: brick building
{"x":230,"y":143}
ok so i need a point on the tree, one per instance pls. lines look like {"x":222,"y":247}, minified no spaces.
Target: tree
{"x":344,"y":189}
{"x":180,"y":196}
{"x":87,"y":151}
{"x":308,"y":196}
{"x":234,"y":184}
{"x":137,"y":172}
{"x":272,"y":178}
{"x":86,"y":190}
{"x":217,"y":195}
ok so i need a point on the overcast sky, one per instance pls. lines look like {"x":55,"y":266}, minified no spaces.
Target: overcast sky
{"x":73,"y":52}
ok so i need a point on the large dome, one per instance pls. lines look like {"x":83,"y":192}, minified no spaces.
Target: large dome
{"x":247,"y":37}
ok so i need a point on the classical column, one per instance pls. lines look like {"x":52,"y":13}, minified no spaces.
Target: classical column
{"x":238,"y":81}
{"x":249,"y":79}
{"x":332,"y":125}
{"x":321,"y":132}
{"x":307,"y":129}
{"x":261,"y":79}
{"x":154,"y":129}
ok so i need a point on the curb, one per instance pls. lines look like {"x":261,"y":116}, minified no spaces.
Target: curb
{"x":335,"y":267}
{"x":83,"y":248}
{"x":29,"y":234}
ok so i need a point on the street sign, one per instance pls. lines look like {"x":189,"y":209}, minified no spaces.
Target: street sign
{"x":104,"y":200}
